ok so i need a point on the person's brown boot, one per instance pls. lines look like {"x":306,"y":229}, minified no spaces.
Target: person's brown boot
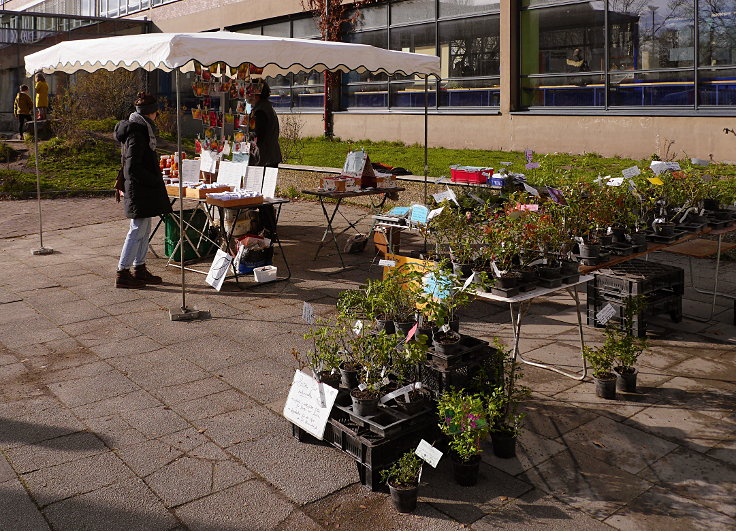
{"x":125,"y":280}
{"x":140,"y":272}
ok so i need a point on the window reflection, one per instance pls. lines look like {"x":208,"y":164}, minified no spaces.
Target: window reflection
{"x":717,"y":32}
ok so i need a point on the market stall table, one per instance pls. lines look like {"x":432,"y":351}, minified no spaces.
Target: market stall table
{"x":201,"y":233}
{"x":515,"y":306}
{"x":271,"y":216}
{"x":330,"y":217}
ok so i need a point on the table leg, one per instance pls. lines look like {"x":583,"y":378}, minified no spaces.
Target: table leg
{"x":329,"y":229}
{"x":715,"y":285}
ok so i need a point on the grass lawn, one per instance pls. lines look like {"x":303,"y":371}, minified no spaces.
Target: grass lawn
{"x":95,"y":166}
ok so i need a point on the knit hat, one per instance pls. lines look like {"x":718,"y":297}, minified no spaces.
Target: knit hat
{"x":145,"y":104}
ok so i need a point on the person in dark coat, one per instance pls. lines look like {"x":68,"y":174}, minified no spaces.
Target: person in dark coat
{"x":264,"y":124}
{"x":144,"y":190}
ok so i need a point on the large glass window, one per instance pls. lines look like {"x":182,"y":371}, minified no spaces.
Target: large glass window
{"x":453,"y":8}
{"x":647,"y":61}
{"x":411,"y":11}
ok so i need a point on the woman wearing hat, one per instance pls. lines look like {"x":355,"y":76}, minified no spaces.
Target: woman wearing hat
{"x":144,"y":194}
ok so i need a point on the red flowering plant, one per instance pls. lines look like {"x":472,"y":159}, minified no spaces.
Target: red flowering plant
{"x":502,"y":241}
{"x":463,"y":420}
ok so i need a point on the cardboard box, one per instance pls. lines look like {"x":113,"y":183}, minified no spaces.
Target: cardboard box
{"x":381,"y":238}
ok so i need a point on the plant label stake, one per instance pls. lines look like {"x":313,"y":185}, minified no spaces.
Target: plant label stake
{"x":631,"y":172}
{"x":387,"y":263}
{"x":467,"y":282}
{"x":428,"y":453}
{"x":411,"y":333}
{"x":308,"y":313}
{"x":358,"y":327}
{"x":605,"y":314}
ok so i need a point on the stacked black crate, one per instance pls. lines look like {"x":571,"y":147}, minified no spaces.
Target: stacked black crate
{"x":661,"y":286}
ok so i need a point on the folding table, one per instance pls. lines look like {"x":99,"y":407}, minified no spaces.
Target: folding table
{"x":330,"y":217}
{"x":515,"y":306}
{"x":701,"y":248}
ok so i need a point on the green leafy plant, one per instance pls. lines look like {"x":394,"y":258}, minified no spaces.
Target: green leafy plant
{"x":373,"y":353}
{"x":504,"y":401}
{"x":329,"y":343}
{"x":463,"y":420}
{"x":404,"y":472}
{"x":441,"y":294}
{"x":405,"y":363}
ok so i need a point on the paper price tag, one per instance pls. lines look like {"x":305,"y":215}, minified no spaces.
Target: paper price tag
{"x":308,"y":313}
{"x":631,"y":172}
{"x":387,"y":263}
{"x":605,"y":314}
{"x":362,"y":387}
{"x":428,"y":453}
{"x":616,"y":181}
{"x":531,"y":165}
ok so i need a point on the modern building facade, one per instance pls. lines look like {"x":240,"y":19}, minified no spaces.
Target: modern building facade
{"x":627,"y":77}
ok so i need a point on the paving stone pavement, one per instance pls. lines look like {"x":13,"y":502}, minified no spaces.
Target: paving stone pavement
{"x":114,"y":417}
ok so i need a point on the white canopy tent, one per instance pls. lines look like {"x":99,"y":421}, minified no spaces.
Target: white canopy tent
{"x":178,"y":51}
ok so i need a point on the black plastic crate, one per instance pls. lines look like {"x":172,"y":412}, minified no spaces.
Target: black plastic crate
{"x":639,"y":277}
{"x":468,"y":348}
{"x":388,"y":421}
{"x":438,"y":379}
{"x":663,"y":301}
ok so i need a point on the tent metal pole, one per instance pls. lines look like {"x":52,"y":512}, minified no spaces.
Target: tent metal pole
{"x":183,"y":313}
{"x":41,"y":250}
{"x":426,"y":115}
{"x":181,"y":203}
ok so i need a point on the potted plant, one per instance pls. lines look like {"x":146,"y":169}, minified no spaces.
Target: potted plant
{"x":503,"y":404}
{"x":371,"y":302}
{"x":626,"y":346}
{"x":405,"y":365}
{"x":463,"y":420}
{"x":402,"y":478}
{"x":441,"y":295}
{"x":601,"y":360}
{"x":373,"y":352}
{"x":400,"y":286}
{"x":324,"y":359}
{"x":452,"y":230}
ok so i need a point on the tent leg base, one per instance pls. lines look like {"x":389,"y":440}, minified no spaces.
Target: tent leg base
{"x":42,"y":251}
{"x":188,"y":314}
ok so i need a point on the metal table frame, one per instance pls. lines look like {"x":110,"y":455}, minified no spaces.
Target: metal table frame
{"x":187,"y":223}
{"x":330,"y":217}
{"x":516,"y":304}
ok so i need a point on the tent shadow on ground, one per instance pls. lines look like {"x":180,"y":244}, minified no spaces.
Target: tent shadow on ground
{"x":19,"y":433}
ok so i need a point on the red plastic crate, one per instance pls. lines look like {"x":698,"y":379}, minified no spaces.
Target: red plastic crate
{"x":476,"y":176}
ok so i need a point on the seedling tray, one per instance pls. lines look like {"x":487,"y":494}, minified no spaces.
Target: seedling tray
{"x":468,"y":347}
{"x":505,"y":292}
{"x":388,"y":421}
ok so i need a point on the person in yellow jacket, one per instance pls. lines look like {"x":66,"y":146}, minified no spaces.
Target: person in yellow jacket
{"x":42,"y":96}
{"x":22,"y":108}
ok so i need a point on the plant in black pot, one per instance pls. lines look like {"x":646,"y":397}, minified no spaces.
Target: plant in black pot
{"x":402,"y":478}
{"x":503,"y":403}
{"x":373,"y":352}
{"x":405,"y":365}
{"x":454,"y":230}
{"x":626,"y":346}
{"x":371,"y":302}
{"x":601,"y":360}
{"x":328,"y":345}
{"x":401,"y":284}
{"x":463,"y":420}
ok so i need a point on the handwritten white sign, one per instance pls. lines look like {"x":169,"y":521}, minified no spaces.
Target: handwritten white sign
{"x":190,"y":171}
{"x":447,"y":195}
{"x":434,"y":213}
{"x":309,"y":403}
{"x":387,"y":263}
{"x":605,"y":314}
{"x":218,"y":269}
{"x":428,"y":453}
{"x":615,"y":181}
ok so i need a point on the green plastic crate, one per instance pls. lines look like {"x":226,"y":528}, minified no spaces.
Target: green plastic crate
{"x":171,"y":239}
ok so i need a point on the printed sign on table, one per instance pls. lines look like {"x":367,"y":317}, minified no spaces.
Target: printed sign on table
{"x":231,"y":173}
{"x":254,"y":178}
{"x":269,"y":182}
{"x":190,"y":171}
